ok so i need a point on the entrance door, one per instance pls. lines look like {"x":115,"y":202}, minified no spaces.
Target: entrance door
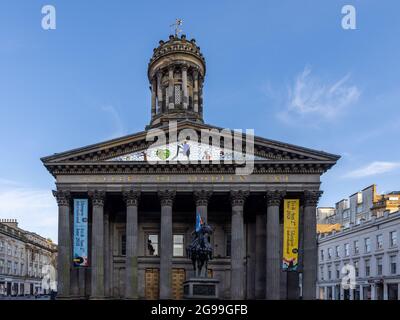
{"x":152,"y":277}
{"x":178,"y":277}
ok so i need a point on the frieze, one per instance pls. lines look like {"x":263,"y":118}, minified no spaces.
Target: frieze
{"x":187,"y":179}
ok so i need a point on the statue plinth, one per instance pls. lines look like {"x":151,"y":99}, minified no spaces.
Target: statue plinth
{"x":200,"y":288}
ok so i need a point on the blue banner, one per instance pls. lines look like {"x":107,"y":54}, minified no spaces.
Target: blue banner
{"x":80,"y":254}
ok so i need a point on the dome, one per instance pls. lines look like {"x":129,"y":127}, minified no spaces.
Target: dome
{"x":176,"y":74}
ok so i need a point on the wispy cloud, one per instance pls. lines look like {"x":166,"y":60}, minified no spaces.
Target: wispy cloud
{"x":311,"y":97}
{"x":374,"y":168}
{"x":119,"y":129}
{"x":35,"y":209}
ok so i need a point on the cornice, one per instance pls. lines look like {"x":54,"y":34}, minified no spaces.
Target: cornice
{"x":260,"y":167}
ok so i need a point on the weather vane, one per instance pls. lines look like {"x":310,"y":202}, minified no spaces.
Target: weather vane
{"x":178,"y":22}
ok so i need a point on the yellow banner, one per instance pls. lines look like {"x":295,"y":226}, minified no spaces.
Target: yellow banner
{"x":290,"y":234}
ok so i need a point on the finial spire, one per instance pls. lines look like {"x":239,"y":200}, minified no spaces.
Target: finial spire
{"x":178,"y":22}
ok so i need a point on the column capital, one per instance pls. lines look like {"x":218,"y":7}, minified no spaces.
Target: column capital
{"x":98,"y":197}
{"x":202,"y":197}
{"x":311,"y":197}
{"x":166,"y":197}
{"x":131,"y":197}
{"x":274,"y":197}
{"x":62,"y":196}
{"x":238,"y":197}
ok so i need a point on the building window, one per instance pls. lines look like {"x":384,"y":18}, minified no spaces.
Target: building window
{"x":367,"y":245}
{"x":337,"y":271}
{"x":1,"y":266}
{"x":346,"y":249}
{"x":367,"y":268}
{"x":357,"y":269}
{"x":178,"y":94}
{"x":379,"y":266}
{"x":2,"y":246}
{"x":123,"y":245}
{"x":322,"y":273}
{"x":393,"y":264}
{"x":337,"y":251}
{"x":356,"y":247}
{"x":9,"y":267}
{"x":178,"y":250}
{"x":329,"y":253}
{"x":322,"y":255}
{"x":379,"y":241}
{"x":152,"y":245}
{"x":329,"y":272}
{"x":393,"y":238}
{"x":22,"y":269}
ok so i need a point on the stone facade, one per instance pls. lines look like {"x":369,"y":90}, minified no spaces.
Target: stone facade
{"x":366,"y":241}
{"x":141,"y":214}
{"x":23,"y":257}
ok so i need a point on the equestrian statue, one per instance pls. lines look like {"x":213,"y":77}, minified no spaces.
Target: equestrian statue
{"x":200,"y":250}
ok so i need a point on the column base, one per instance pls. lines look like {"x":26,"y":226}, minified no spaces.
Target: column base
{"x":64,"y":297}
{"x":97,"y":298}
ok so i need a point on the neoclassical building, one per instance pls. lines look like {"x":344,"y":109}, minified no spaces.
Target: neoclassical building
{"x":143,"y":191}
{"x":25,"y":258}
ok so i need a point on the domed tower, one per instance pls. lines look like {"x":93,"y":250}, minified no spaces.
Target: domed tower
{"x":176,"y":73}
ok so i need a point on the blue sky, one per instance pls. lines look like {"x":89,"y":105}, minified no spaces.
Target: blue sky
{"x":285,"y":68}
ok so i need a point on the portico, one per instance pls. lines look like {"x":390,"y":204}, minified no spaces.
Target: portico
{"x":134,"y":211}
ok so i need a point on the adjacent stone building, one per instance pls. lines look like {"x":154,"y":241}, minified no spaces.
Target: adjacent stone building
{"x":367,"y":240}
{"x":143,"y":200}
{"x":23,"y":256}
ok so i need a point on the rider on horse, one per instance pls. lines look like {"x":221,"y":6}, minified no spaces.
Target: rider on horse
{"x":200,"y":250}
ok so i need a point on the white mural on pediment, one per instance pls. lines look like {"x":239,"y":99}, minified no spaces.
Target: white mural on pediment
{"x":186,"y":151}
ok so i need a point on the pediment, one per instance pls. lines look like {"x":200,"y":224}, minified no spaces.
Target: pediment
{"x":186,"y":151}
{"x":135,"y":148}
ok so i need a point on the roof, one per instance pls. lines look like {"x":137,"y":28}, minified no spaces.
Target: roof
{"x":327,"y":228}
{"x":270,"y":153}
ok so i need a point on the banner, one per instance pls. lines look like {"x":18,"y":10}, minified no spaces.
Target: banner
{"x":290,"y":234}
{"x":80,"y":254}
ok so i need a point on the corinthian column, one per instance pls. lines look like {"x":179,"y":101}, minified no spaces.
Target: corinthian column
{"x":153,"y":97}
{"x":159,"y":92}
{"x":202,"y":197}
{"x":310,"y":244}
{"x":273,"y":262}
{"x":97,"y":285}
{"x":171,"y":102}
{"x":184,"y":87}
{"x":166,"y":199}
{"x":237,"y":245}
{"x":131,"y":198}
{"x":195,"y":90}
{"x":64,"y":244}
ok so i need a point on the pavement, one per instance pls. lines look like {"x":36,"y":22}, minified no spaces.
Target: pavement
{"x":45,"y":297}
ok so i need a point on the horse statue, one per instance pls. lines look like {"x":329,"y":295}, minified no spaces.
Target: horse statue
{"x":200,"y":250}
